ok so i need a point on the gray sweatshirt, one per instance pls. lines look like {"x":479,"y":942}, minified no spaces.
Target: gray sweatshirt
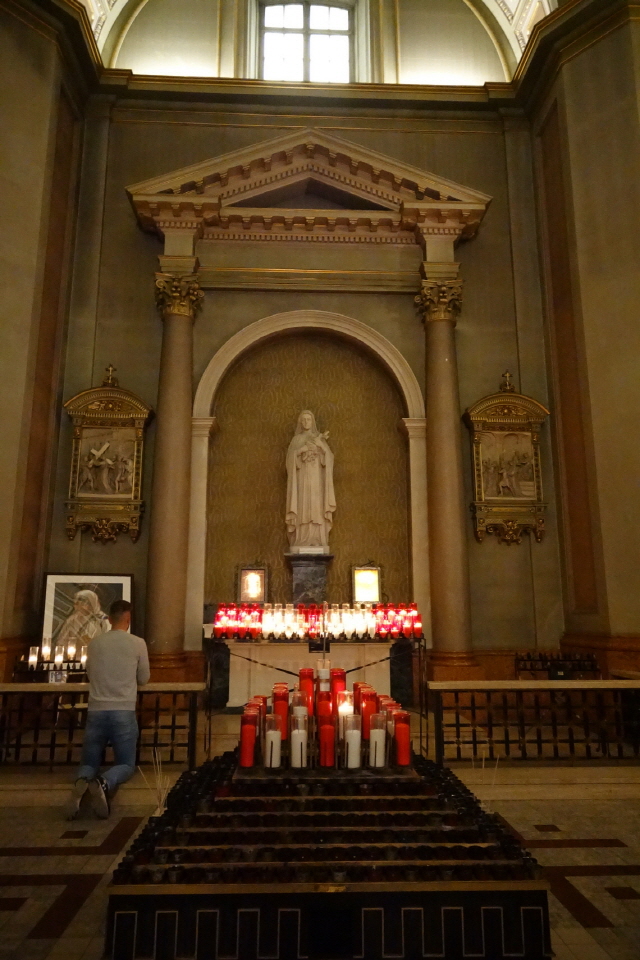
{"x":117,"y":664}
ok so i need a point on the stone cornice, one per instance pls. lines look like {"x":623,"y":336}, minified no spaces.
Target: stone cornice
{"x":406,"y":203}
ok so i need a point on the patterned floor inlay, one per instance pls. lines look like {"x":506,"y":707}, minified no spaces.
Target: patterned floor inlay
{"x":14,"y":903}
{"x":623,"y":893}
{"x":66,"y":905}
{"x":113,"y":843}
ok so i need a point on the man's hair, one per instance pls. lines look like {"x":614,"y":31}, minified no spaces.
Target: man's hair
{"x":118,"y":608}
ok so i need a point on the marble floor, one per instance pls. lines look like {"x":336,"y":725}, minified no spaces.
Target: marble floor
{"x":581,"y":822}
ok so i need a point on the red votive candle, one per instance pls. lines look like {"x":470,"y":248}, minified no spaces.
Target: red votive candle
{"x":338,"y":683}
{"x":280,"y":697}
{"x":357,"y":687}
{"x":327,"y":736}
{"x":306,"y":684}
{"x":248,"y":734}
{"x":402,"y":738}
{"x":323,"y":706}
{"x":368,"y":706}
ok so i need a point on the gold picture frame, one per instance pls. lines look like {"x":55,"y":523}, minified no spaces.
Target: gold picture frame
{"x":106,"y":461}
{"x":507,"y":476}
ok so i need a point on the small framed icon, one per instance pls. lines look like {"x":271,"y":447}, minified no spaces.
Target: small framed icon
{"x":252,"y":585}
{"x":366,"y":584}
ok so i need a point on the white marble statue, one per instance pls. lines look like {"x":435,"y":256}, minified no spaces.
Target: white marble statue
{"x":310,"y":497}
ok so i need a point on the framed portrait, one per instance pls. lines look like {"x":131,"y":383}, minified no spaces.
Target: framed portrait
{"x":366,"y":584}
{"x":76,"y":605}
{"x":252,"y":585}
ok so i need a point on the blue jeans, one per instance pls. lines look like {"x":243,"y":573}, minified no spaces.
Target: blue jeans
{"x":120,"y":729}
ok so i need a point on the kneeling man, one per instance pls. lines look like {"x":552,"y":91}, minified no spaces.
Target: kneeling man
{"x":117,"y":664}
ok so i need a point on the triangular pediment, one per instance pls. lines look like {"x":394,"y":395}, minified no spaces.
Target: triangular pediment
{"x":308,"y":170}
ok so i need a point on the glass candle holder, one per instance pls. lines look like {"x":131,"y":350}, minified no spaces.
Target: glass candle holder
{"x":358,"y":686}
{"x":299,"y":741}
{"x":248,"y":736}
{"x":300,"y":704}
{"x":402,"y":738}
{"x":344,"y":699}
{"x":327,"y":740}
{"x":324,"y":710}
{"x":46,"y":648}
{"x":353,"y":741}
{"x":58,"y":656}
{"x":280,"y":697}
{"x":338,"y":681}
{"x":273,"y":740}
{"x":71,"y":650}
{"x":368,"y":706}
{"x":306,"y":684}
{"x":83,"y":655}
{"x":33,"y":658}
{"x":267,"y":621}
{"x":377,"y":739}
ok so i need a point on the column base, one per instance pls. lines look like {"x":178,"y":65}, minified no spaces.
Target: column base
{"x":443,"y":665}
{"x":186,"y":666}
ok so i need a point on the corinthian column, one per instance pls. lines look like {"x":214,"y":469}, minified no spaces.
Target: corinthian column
{"x":178,"y":298}
{"x":439,"y":301}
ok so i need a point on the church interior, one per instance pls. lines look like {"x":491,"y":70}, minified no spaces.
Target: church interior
{"x":310,"y":354}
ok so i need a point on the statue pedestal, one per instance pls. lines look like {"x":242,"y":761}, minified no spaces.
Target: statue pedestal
{"x":309,"y":576}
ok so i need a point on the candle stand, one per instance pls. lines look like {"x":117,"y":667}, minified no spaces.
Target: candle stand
{"x":310,"y":841}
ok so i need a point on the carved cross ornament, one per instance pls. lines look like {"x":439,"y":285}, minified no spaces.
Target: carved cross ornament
{"x":178,"y":295}
{"x":440,"y":299}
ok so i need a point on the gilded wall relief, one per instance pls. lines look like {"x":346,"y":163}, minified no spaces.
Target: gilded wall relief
{"x":106,"y":461}
{"x":507,"y":477}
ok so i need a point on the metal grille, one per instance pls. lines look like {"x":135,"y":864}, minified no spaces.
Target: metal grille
{"x":569,"y":721}
{"x":47,"y":727}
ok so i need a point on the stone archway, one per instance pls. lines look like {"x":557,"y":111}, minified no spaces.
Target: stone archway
{"x":203,"y":424}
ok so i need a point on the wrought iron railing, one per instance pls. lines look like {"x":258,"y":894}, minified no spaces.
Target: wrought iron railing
{"x":43,"y":723}
{"x":533,"y":720}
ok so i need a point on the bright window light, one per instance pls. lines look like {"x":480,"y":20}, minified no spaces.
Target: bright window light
{"x":305,"y":41}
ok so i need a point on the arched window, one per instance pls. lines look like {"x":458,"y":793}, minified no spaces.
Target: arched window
{"x":306,"y":41}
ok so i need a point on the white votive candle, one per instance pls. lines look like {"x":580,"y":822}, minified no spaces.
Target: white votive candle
{"x":377,"y":745}
{"x":273,"y":748}
{"x":298,"y":748}
{"x":353,"y":740}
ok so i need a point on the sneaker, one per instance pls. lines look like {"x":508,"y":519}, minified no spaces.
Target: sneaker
{"x":99,"y":797}
{"x":78,"y":791}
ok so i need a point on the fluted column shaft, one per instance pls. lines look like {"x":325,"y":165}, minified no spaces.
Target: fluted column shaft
{"x":178,"y":300}
{"x":448,"y":562}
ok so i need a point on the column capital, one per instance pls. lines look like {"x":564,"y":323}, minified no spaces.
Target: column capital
{"x":179,"y":295}
{"x":414,"y":427}
{"x":203,"y":426}
{"x":440,"y":299}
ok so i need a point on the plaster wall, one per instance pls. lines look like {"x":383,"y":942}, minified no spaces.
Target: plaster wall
{"x":443,"y":42}
{"x":172,"y":38}
{"x":600,"y":96}
{"x":115,"y":318}
{"x":28,"y":61}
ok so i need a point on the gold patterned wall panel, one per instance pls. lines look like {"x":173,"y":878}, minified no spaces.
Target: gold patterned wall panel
{"x":257,"y":407}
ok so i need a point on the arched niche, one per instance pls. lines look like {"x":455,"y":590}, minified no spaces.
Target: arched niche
{"x":249,"y":339}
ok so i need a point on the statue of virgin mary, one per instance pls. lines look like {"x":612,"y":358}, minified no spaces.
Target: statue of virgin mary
{"x":310,"y":497}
